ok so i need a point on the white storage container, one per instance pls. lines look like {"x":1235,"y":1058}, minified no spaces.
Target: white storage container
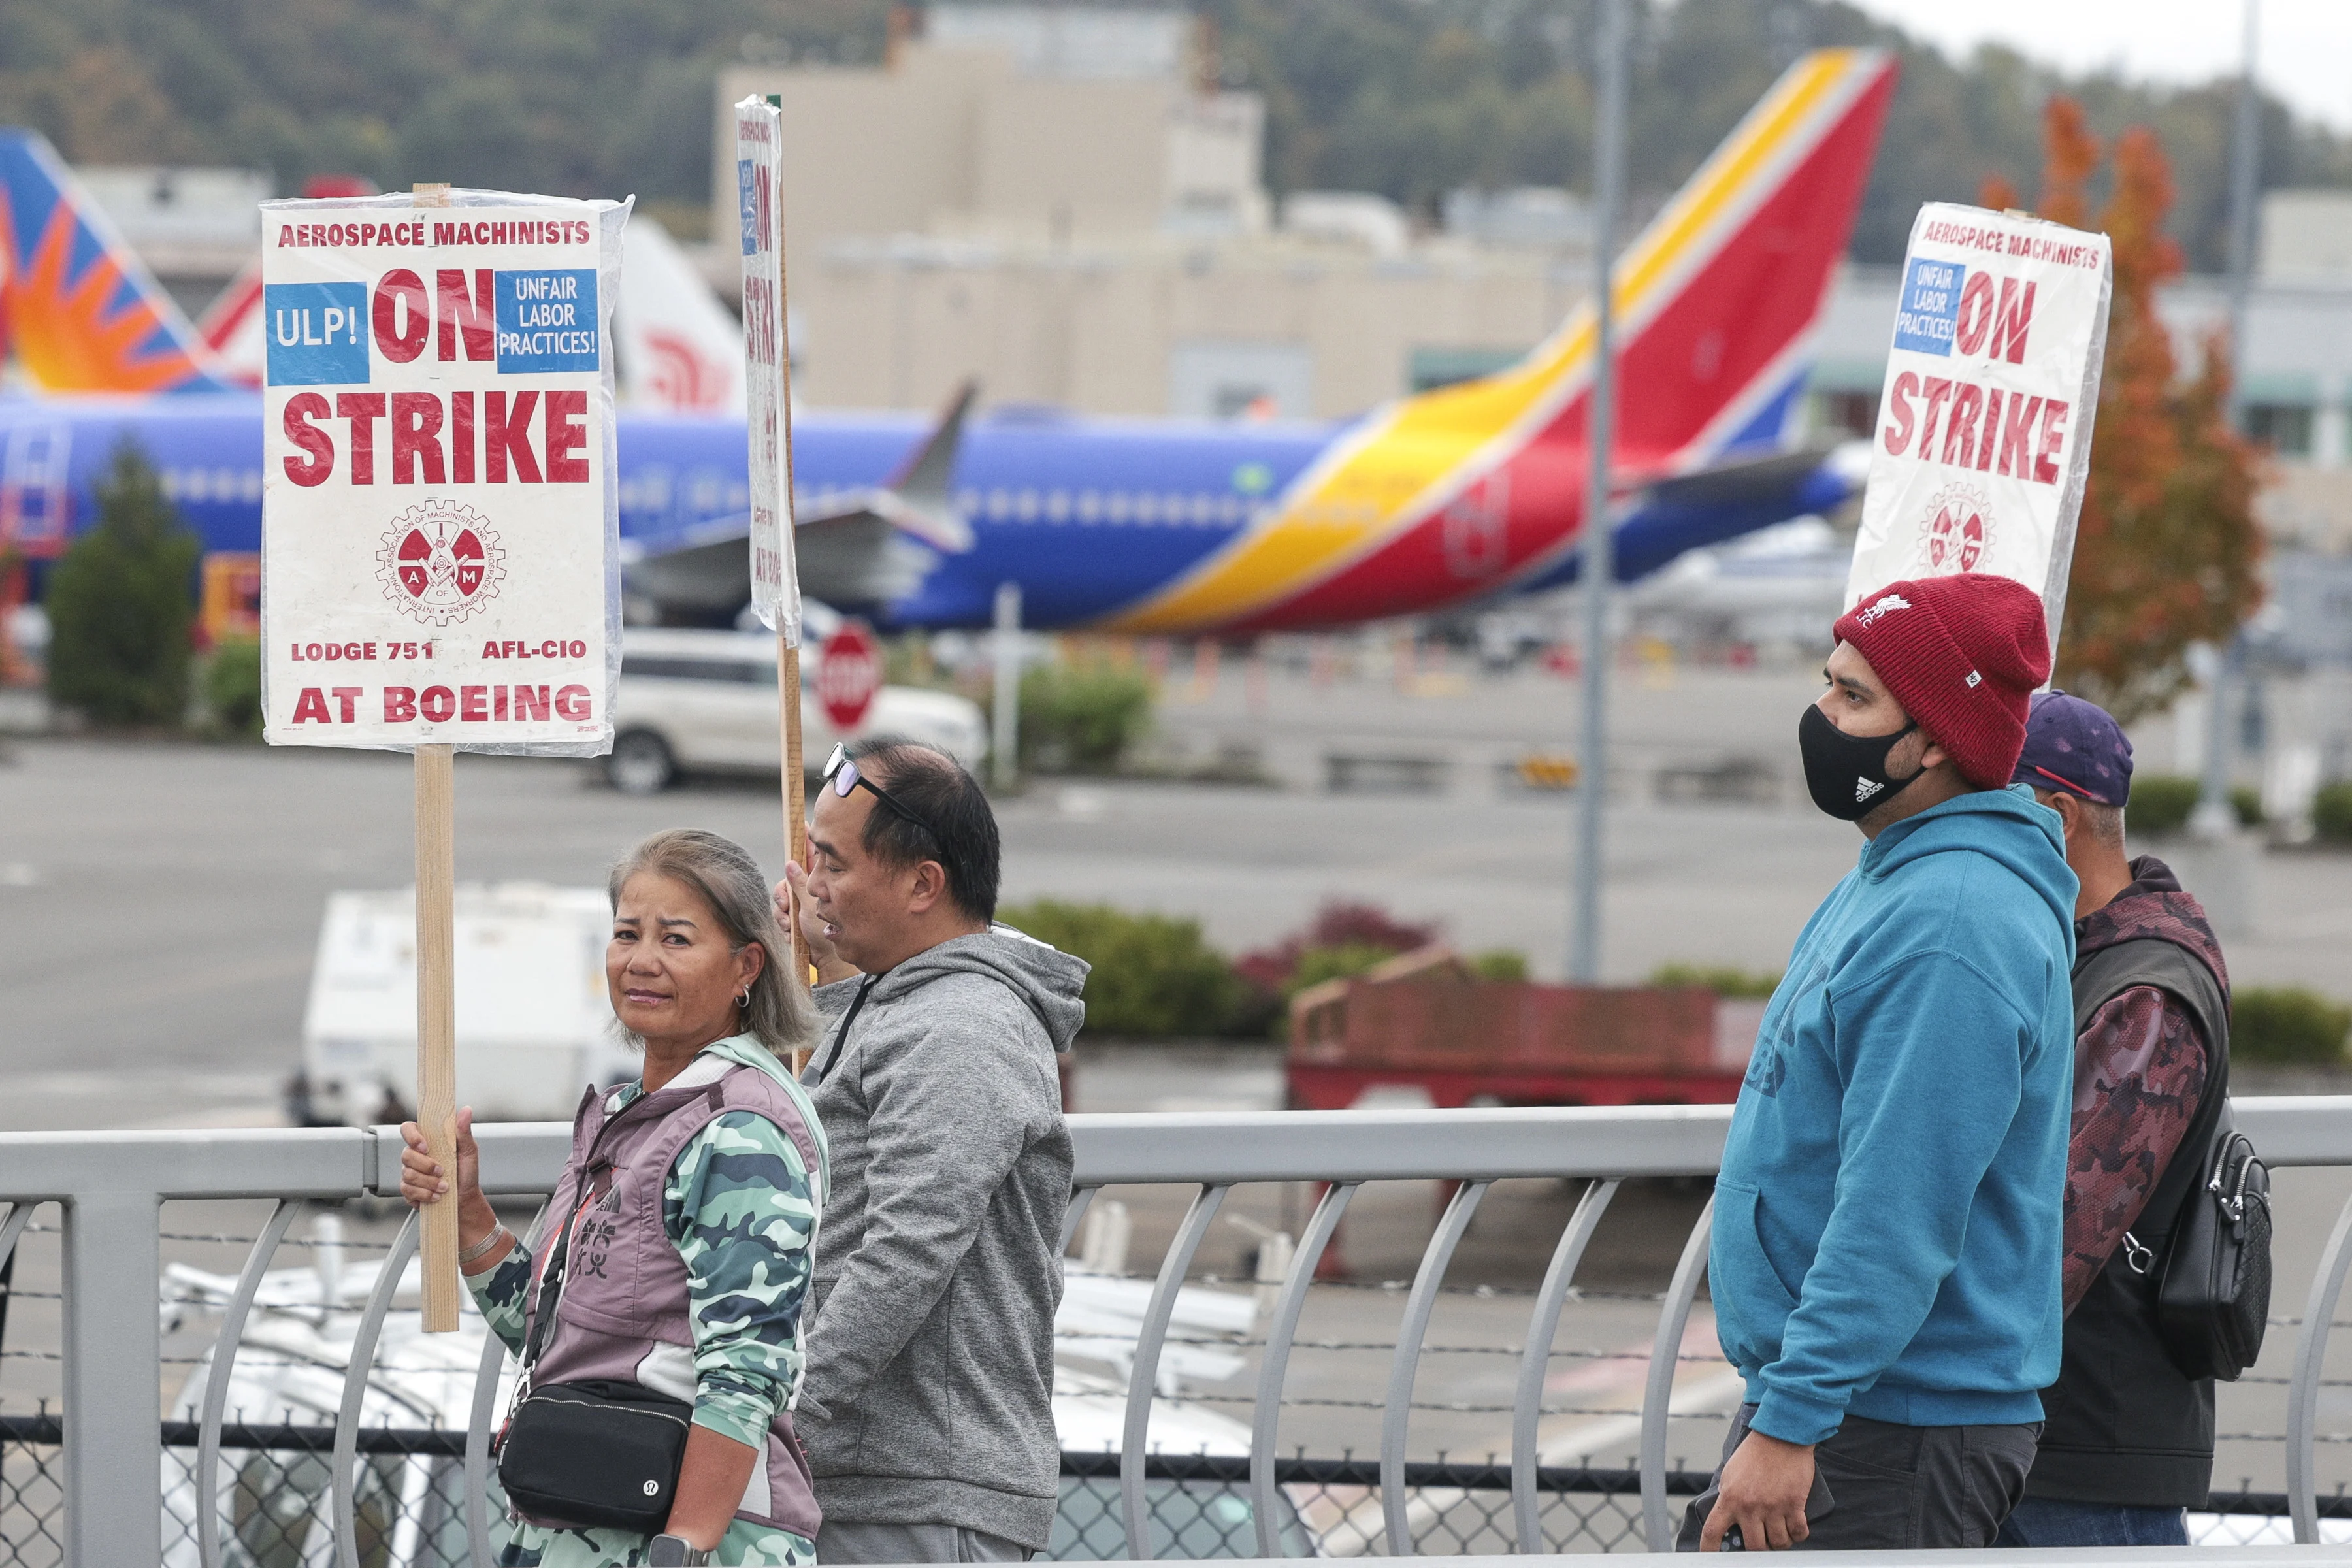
{"x":533,"y":1024}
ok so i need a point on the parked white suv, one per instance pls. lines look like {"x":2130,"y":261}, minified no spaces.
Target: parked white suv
{"x":695,"y":702}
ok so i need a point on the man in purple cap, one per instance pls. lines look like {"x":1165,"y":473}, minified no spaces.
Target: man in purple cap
{"x":2127,"y":1440}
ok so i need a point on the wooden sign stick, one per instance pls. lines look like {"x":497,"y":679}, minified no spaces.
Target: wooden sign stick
{"x":436,"y":994}
{"x":437,"y":1021}
{"x":788,"y":691}
{"x":788,"y":656}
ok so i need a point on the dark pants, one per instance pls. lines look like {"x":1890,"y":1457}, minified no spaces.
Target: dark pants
{"x":2044,"y":1521}
{"x":1892,"y":1489}
{"x":852,"y":1542}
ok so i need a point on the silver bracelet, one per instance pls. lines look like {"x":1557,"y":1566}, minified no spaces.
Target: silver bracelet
{"x":481,"y":1249}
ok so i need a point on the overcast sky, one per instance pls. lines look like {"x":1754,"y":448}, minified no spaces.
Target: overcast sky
{"x":2306,"y":56}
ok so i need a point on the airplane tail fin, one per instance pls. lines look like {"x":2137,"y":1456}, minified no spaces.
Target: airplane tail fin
{"x":84,"y":314}
{"x":231,"y":328}
{"x":1478,"y":487}
{"x":680,"y":351}
{"x":1719,"y":298}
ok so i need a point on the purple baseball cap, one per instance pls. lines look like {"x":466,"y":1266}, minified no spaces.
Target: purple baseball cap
{"x":2076,"y":746}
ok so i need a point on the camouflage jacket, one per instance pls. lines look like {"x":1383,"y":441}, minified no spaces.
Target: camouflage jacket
{"x":740,"y":1205}
{"x":2139,"y":1073}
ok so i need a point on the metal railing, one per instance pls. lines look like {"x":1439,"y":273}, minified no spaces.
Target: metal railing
{"x":110,"y":1186}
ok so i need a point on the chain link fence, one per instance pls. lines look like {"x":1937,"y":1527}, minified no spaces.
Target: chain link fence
{"x":409,"y":1503}
{"x":274,"y":1481}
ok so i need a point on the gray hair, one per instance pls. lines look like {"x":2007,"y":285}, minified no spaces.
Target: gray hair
{"x":2106,"y":823}
{"x":780,"y":1015}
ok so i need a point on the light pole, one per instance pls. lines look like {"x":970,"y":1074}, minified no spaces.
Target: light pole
{"x":2214,"y":817}
{"x":1005,"y":741}
{"x":1598,"y":569}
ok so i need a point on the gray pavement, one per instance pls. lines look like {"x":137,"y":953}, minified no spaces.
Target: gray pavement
{"x":165,"y":898}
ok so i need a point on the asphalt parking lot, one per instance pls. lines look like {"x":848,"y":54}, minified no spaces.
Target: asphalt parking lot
{"x":165,"y":898}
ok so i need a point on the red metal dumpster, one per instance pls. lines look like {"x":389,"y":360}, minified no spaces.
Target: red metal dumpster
{"x":1424,"y":1020}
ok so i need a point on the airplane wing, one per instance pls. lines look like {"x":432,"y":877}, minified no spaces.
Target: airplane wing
{"x":1713,"y":504}
{"x":918,"y":494}
{"x":856,"y":554}
{"x":857,"y":547}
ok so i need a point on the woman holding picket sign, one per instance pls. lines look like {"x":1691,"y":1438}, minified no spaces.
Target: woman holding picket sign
{"x":660,"y":1323}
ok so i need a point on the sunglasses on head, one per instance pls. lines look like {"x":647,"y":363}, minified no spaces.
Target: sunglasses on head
{"x":841,"y":773}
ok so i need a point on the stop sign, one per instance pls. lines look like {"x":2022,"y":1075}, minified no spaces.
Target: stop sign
{"x":848,"y":674}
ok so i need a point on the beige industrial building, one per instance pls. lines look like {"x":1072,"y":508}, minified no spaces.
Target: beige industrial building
{"x":1052,"y":200}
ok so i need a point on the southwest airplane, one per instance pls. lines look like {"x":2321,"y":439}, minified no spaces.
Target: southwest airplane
{"x":1442,"y":499}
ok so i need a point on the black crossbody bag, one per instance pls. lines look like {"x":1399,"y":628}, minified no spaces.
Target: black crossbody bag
{"x":2215,"y":1301}
{"x":594,"y":1453}
{"x":2211,"y":1256}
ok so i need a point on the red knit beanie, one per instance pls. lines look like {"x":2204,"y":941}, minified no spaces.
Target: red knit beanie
{"x":1963,"y":655}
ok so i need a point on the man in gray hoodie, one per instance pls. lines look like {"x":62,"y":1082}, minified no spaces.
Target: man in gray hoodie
{"x":928,"y":1405}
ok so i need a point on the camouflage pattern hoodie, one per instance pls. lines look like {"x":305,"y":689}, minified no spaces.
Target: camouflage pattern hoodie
{"x":2139,"y":1070}
{"x":931,"y":1372}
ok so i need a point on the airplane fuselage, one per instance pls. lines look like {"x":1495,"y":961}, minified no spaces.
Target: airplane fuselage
{"x":1088,"y":515}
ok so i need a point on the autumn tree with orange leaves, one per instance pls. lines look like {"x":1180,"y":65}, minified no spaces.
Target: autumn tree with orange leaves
{"x":2167,"y":549}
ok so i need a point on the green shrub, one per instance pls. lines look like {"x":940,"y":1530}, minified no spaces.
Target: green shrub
{"x":1499,"y":964}
{"x":1153,"y":976}
{"x":2287,"y":1023}
{"x":1720,"y":979}
{"x":1082,"y":718}
{"x":232,"y":687}
{"x":2247,"y":802}
{"x":907,"y":661}
{"x":2160,"y":803}
{"x":120,"y":602}
{"x":2331,"y":812}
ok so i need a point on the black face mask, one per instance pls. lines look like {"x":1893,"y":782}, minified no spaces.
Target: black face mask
{"x":1847,"y":773}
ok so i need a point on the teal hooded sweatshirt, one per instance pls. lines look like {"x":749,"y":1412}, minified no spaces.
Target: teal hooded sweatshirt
{"x":1888,"y":1220}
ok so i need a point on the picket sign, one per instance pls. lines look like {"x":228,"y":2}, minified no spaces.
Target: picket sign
{"x":768,"y":389}
{"x":440,"y":553}
{"x":1984,"y":426}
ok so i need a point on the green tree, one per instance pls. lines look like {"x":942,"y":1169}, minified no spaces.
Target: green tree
{"x":1412,"y":98}
{"x":1408,"y":98}
{"x":122,"y":602}
{"x":231,"y":686}
{"x":2167,"y":549}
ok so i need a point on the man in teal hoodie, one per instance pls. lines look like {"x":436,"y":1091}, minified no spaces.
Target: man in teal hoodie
{"x":1887,"y":1250}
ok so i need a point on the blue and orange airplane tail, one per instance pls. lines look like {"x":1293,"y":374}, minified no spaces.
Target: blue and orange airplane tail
{"x":77,"y":308}
{"x":1456,"y":494}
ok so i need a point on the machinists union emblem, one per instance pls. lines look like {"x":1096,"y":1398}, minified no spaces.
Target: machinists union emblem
{"x":440,"y":563}
{"x":1958,"y":531}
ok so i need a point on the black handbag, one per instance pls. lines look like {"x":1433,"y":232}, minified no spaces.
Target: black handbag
{"x":601,"y":1454}
{"x":2214,"y":1303}
{"x":2208,"y":1252}
{"x":596,"y":1454}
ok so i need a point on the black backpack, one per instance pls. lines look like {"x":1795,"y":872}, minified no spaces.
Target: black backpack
{"x":2208,"y":1220}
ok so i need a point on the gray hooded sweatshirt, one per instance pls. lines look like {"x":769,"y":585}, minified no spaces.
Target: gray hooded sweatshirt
{"x":928,"y":1395}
